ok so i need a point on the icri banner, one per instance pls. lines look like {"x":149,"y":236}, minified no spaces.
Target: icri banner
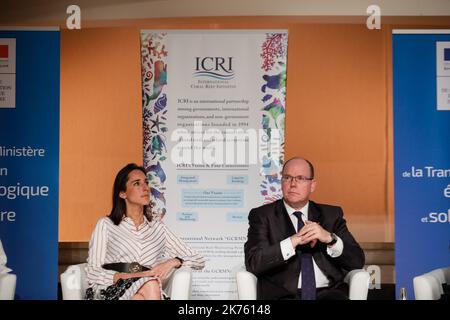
{"x":29,"y":158}
{"x":213,"y":118}
{"x":421,"y":153}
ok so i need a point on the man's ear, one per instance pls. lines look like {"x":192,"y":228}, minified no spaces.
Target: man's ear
{"x":313,"y":185}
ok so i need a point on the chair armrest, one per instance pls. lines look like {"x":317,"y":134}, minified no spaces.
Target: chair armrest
{"x":439,"y":275}
{"x":427,"y":287}
{"x":446,"y":271}
{"x":358,"y":282}
{"x":178,"y":285}
{"x":71,"y":283}
{"x":246,"y":285}
{"x":7,"y":286}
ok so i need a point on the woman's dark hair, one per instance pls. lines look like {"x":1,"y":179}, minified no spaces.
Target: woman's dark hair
{"x":119,"y":208}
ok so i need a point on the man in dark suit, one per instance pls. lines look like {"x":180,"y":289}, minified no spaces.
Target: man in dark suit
{"x":322,"y":246}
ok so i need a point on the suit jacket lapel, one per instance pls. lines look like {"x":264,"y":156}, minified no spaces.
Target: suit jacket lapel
{"x":283,"y":222}
{"x":313,"y":212}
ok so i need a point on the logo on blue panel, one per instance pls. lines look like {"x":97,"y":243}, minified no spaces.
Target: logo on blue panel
{"x":447,"y":54}
{"x":4,"y":52}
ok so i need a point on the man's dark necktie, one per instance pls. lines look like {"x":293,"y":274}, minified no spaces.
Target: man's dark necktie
{"x":306,"y":265}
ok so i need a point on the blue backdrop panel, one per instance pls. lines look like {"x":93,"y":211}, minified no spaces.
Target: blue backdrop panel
{"x":31,"y":241}
{"x":421,"y":141}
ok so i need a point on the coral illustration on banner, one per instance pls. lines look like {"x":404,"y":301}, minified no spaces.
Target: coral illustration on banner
{"x":154,"y":102}
{"x":274,"y":55}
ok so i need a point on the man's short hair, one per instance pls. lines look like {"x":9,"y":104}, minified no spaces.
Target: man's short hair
{"x":311,"y":167}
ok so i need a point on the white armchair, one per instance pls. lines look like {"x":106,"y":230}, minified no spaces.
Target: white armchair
{"x":358,"y":281}
{"x":428,"y":286}
{"x":246,"y":285}
{"x":74,"y":283}
{"x":7,"y":286}
{"x":7,"y":280}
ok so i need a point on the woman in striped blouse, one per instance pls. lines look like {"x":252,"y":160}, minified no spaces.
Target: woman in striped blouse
{"x":129,"y":254}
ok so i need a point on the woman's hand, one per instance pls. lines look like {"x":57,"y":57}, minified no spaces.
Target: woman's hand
{"x":162,"y":269}
{"x":116,"y":277}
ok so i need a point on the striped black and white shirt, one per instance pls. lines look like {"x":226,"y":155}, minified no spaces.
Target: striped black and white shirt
{"x":149,"y":244}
